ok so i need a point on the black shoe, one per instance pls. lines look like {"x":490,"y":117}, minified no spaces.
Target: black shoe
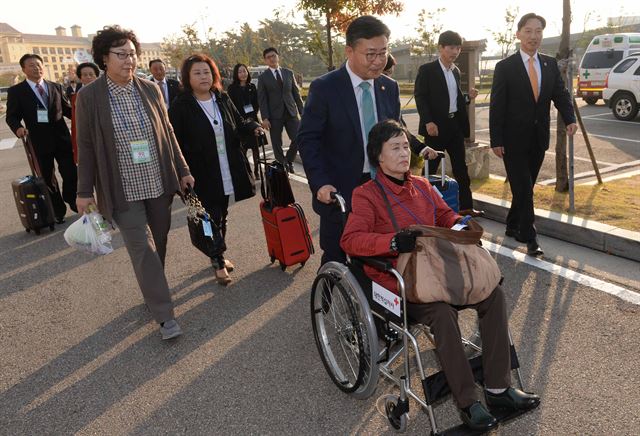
{"x":73,"y":208}
{"x":513,"y":399}
{"x":472,"y":212}
{"x":533,"y":248}
{"x":512,"y":233}
{"x":289,"y":167}
{"x":478,"y":418}
{"x":59,"y":219}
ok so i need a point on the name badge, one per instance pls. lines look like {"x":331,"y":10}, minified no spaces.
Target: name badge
{"x":140,"y":152}
{"x":220,"y":145}
{"x":43,"y":115}
{"x":248,"y":108}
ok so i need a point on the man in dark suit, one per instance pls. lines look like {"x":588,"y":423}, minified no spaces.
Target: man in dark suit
{"x":170,"y":88}
{"x":341,"y":108}
{"x":524,"y":84}
{"x":444,"y":122}
{"x":42,"y":106}
{"x":280,"y":106}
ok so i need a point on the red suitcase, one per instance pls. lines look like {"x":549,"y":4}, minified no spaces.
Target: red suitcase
{"x":287,"y":233}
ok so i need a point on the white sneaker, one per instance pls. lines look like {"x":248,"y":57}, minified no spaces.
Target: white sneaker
{"x":170,"y":329}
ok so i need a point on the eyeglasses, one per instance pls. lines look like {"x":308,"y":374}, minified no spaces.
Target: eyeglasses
{"x":371,"y":56}
{"x":123,"y":55}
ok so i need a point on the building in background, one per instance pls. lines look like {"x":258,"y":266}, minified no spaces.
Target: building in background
{"x":61,"y":52}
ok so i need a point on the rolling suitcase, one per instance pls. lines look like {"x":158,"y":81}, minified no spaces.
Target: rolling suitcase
{"x":445,"y":185}
{"x":32,"y":196}
{"x":287,"y":233}
{"x":285,"y":225}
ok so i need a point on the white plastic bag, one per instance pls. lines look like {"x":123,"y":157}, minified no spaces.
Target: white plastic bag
{"x":84,"y":236}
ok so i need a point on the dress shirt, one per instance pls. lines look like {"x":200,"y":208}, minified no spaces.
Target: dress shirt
{"x":37,"y":93}
{"x":452,"y":86}
{"x":164,"y":89}
{"x":273,"y":71}
{"x":355,"y":82}
{"x":536,"y":65}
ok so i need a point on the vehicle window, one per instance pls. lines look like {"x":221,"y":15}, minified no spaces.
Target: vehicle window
{"x":637,"y":73}
{"x":601,"y":59}
{"x":624,"y":66}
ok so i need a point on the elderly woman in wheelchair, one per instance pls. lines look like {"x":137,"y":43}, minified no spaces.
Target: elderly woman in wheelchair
{"x":370,"y":231}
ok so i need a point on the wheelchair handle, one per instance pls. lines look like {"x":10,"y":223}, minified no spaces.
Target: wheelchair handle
{"x":340,"y":200}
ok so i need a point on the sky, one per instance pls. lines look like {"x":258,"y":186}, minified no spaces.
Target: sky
{"x":471,"y":18}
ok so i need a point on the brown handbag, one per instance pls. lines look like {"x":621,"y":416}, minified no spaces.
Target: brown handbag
{"x":448,"y":266}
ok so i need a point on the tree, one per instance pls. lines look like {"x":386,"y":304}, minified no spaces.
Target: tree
{"x":428,"y":28}
{"x":338,"y":14}
{"x":564,"y":57}
{"x":507,"y":37}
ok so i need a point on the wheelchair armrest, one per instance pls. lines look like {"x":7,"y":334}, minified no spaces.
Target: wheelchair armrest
{"x":379,"y":263}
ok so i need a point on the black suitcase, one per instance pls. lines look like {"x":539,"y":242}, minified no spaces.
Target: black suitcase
{"x":34,"y":203}
{"x":32,"y":196}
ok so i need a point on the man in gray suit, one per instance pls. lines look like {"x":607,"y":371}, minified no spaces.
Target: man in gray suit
{"x":280,"y":106}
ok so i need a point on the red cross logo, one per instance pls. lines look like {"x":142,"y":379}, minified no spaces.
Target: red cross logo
{"x":395,"y":301}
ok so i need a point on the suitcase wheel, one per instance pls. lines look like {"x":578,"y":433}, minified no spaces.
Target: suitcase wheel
{"x":27,"y":230}
{"x":302,"y":264}
{"x":283,"y":266}
{"x":37,"y":231}
{"x":273,"y":259}
{"x":51,"y":227}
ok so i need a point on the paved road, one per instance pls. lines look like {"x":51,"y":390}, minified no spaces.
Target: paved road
{"x":81,"y":354}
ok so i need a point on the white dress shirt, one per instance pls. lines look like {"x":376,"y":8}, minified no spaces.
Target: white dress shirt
{"x":536,"y":65}
{"x":35,"y":91}
{"x":452,"y":86}
{"x":164,"y":87}
{"x":355,"y":82}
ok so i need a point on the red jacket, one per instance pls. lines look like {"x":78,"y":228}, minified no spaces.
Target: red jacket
{"x":369,"y":229}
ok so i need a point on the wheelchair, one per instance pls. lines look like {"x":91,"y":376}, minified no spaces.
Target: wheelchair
{"x":361,"y":331}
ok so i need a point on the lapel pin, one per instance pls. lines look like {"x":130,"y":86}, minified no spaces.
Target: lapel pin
{"x":382,"y":87}
{"x":545,"y":64}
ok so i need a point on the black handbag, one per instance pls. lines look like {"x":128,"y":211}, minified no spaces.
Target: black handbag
{"x":275,"y":187}
{"x":205,"y":234}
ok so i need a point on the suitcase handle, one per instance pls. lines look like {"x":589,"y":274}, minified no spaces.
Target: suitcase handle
{"x":442,"y":156}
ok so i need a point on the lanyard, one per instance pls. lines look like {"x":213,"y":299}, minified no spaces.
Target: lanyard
{"x":216,"y":116}
{"x":125,"y":119}
{"x":397,"y":200}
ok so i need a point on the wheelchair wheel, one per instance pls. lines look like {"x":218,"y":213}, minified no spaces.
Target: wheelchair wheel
{"x":399,"y":423}
{"x":344,"y":331}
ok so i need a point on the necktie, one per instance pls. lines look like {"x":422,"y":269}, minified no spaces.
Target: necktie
{"x":163,"y":89}
{"x":368,"y":111}
{"x":279,"y":78}
{"x":41,"y":91}
{"x":533,"y":78}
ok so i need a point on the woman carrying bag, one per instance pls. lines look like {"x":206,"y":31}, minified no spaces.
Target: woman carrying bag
{"x":208,"y":126}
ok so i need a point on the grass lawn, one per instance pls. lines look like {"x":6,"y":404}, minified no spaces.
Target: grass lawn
{"x":616,"y":203}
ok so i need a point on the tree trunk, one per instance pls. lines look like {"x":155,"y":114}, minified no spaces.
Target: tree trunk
{"x":562,"y":177}
{"x":329,"y":44}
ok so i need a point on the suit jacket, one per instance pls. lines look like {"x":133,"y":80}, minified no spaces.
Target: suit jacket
{"x":97,"y":158}
{"x":198,"y":144}
{"x":516,"y":121}
{"x":330,"y":134}
{"x":432,"y":101}
{"x":22,"y":105}
{"x":173,"y":86}
{"x":275,"y":101}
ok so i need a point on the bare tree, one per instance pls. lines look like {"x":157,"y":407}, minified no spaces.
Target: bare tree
{"x":507,"y":38}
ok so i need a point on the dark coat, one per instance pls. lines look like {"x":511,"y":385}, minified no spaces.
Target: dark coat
{"x":243,"y":95}
{"x":516,"y":121}
{"x":330,"y":135}
{"x":432,"y":102}
{"x":22,"y":105}
{"x":197,"y":141}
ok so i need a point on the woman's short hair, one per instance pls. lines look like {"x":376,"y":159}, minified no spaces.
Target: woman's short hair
{"x":185,"y":72}
{"x":91,"y":65}
{"x":391,"y":62}
{"x":379,"y":134}
{"x":109,"y":37}
{"x":236,"y":79}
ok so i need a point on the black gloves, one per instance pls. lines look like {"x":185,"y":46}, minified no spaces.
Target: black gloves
{"x":404,"y":241}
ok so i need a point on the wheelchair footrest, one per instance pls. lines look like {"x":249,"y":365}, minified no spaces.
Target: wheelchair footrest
{"x":502,"y":415}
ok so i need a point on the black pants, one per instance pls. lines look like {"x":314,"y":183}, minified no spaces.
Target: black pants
{"x":63,"y":155}
{"x":442,"y":319}
{"x":218,"y":210}
{"x":453,"y":144}
{"x":522,"y":172}
{"x":291,"y":124}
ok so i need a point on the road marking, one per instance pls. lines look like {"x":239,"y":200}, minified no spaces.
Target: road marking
{"x":612,"y":178}
{"x":8,"y":143}
{"x":592,"y":282}
{"x":611,"y":168}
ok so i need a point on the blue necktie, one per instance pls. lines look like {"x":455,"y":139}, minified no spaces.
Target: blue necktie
{"x":368,"y":111}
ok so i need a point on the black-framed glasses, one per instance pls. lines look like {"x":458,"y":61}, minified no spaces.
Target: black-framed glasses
{"x":371,"y":56}
{"x":123,"y":55}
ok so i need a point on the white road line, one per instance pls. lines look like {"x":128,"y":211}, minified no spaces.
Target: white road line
{"x":612,"y":178}
{"x":592,"y":282}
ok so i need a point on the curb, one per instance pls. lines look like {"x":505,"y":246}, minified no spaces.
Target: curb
{"x":591,"y":234}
